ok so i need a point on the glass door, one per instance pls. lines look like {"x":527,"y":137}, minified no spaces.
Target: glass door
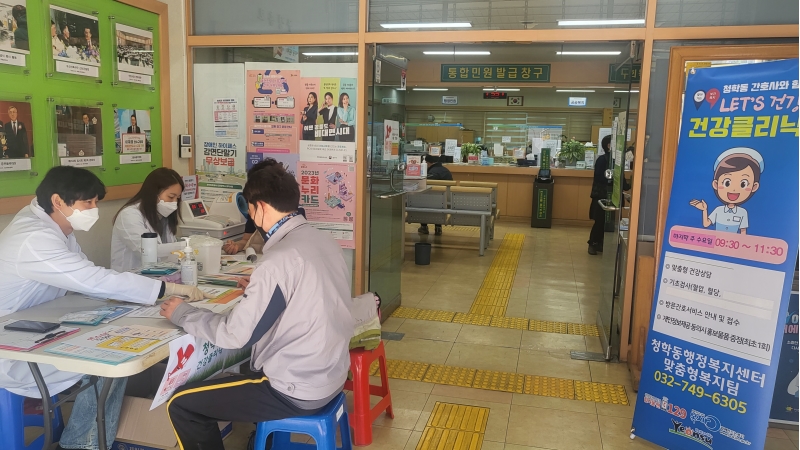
{"x":385,"y":180}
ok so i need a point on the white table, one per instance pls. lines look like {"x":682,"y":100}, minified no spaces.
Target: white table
{"x":51,"y":312}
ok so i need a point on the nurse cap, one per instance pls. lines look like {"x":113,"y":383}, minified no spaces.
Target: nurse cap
{"x":743,"y":151}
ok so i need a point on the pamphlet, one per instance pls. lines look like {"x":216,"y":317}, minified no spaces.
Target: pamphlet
{"x":25,"y":341}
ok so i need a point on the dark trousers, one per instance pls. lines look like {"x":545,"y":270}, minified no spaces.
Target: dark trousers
{"x":196,"y":408}
{"x":597,"y":214}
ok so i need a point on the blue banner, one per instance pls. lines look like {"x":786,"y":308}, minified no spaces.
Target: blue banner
{"x":785,"y":399}
{"x":727,"y":261}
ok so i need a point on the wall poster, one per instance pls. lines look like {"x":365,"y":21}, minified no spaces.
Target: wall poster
{"x":14,"y":41}
{"x":79,"y":134}
{"x":132,"y":135}
{"x":727,"y":263}
{"x":16,"y":136}
{"x":135,"y":55}
{"x":75,"y":39}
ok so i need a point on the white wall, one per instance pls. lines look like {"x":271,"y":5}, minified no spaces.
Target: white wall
{"x":96,"y":243}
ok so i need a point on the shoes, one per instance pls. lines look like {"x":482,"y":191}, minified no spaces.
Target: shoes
{"x":437,"y":230}
{"x":423,"y":230}
{"x":592,"y":250}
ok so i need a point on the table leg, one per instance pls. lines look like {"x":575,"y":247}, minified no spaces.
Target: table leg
{"x":101,"y":412}
{"x":483,"y":233}
{"x":47,"y":405}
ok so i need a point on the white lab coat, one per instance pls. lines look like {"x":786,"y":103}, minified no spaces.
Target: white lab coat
{"x":126,"y":240}
{"x":38,"y":263}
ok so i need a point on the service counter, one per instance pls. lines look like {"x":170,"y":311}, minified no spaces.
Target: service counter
{"x":515,"y":190}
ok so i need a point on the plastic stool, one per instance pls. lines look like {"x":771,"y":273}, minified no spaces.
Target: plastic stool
{"x":363,"y":416}
{"x":321,"y":427}
{"x":13,"y":422}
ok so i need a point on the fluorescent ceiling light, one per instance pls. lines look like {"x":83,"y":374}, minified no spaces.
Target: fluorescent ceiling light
{"x":574,"y":90}
{"x":583,"y":23}
{"x":590,"y":53}
{"x":429,"y":89}
{"x":330,"y":53}
{"x":628,"y":91}
{"x":457,"y":53}
{"x":428,"y":25}
{"x":502,"y":90}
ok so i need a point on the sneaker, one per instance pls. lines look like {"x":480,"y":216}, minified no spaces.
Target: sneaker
{"x":437,"y":230}
{"x":423,"y":230}
{"x":592,"y":250}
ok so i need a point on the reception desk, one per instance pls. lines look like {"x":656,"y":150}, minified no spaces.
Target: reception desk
{"x":515,"y":190}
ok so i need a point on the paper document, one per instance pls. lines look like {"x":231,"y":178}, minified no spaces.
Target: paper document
{"x":24,"y":341}
{"x":106,"y":338}
{"x":240,"y":268}
{"x":145,"y":332}
{"x":96,"y":354}
{"x":147,"y":312}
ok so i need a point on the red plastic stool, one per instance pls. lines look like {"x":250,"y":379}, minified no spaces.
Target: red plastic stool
{"x":362,"y":417}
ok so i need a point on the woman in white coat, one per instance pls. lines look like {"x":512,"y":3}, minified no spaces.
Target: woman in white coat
{"x":154,"y":209}
{"x":40,"y":261}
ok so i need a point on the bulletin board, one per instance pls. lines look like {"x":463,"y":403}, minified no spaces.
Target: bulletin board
{"x":66,"y":75}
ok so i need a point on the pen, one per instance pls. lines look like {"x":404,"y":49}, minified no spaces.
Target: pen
{"x":50,"y":336}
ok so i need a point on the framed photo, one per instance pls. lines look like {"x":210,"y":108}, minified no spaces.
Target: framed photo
{"x":79,"y":135}
{"x":515,"y":100}
{"x":14,"y":34}
{"x":135,"y":54}
{"x":75,"y":42}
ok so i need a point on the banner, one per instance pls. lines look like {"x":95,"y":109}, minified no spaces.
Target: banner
{"x":724,"y":281}
{"x":785,"y":398}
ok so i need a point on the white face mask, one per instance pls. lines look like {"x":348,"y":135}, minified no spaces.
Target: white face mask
{"x":82,"y":220}
{"x":166,"y":208}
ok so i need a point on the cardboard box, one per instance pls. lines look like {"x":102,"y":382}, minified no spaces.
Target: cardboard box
{"x":142,"y":429}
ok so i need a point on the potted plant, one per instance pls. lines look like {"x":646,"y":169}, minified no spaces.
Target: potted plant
{"x":571,"y":152}
{"x":470,"y":149}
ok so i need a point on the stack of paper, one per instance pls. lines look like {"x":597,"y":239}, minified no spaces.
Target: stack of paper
{"x":113,"y":345}
{"x":24,"y":342}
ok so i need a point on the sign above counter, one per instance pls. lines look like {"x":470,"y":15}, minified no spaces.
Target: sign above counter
{"x":523,"y":73}
{"x":624,"y":73}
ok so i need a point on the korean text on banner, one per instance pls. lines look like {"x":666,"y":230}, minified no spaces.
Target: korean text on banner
{"x":391,"y":140}
{"x":727,"y":262}
{"x":327,"y":193}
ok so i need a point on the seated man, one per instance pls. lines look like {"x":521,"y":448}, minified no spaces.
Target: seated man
{"x":40,"y":260}
{"x":436,"y":171}
{"x":294,"y":314}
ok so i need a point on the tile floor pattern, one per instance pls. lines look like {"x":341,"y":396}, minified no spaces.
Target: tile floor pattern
{"x":555,"y":281}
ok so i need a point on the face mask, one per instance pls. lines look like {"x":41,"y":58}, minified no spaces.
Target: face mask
{"x":166,"y":208}
{"x":82,"y":220}
{"x":260,"y":229}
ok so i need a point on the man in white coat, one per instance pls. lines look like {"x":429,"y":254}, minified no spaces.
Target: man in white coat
{"x":40,"y":260}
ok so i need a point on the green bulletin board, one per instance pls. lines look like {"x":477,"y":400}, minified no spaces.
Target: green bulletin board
{"x":39,"y":84}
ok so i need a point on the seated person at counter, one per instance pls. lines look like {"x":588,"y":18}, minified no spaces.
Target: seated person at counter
{"x":294,"y":314}
{"x":154,"y":209}
{"x":40,"y":260}
{"x":436,"y":171}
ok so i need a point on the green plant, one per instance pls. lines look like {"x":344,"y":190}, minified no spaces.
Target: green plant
{"x":572,"y":151}
{"x":470,"y":149}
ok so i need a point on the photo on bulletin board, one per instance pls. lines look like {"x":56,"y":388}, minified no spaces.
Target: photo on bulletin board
{"x":79,"y":135}
{"x":16,"y":136}
{"x":75,"y":39}
{"x":132,"y":130}
{"x":13,"y":32}
{"x":135,"y":54}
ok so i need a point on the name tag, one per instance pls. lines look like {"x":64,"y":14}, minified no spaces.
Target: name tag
{"x":737,"y":219}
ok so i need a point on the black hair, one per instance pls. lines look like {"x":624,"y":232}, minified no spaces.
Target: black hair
{"x":433,"y":159}
{"x":265,"y":163}
{"x":18,"y":12}
{"x":71,"y":184}
{"x":273,"y":185}
{"x":606,"y":143}
{"x":341,"y":96}
{"x":153,"y":185}
{"x":329,"y":94}
{"x":313,"y":94}
{"x":64,"y":25}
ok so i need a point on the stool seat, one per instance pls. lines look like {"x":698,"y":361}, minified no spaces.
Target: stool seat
{"x":321,"y":426}
{"x":13,"y":422}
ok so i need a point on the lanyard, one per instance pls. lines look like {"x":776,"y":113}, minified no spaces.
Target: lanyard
{"x":278,"y":225}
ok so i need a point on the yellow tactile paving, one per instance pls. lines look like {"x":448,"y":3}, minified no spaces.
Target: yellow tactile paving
{"x":459,"y":417}
{"x":492,"y":314}
{"x":443,"y":439}
{"x":492,"y":297}
{"x":507,"y":382}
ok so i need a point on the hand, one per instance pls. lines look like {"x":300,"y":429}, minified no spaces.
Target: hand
{"x":190,"y":292}
{"x":231,"y":247}
{"x":699,"y":204}
{"x":243,"y":282}
{"x":169,"y":306}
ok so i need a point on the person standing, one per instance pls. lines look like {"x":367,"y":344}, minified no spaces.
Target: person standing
{"x":309,"y":117}
{"x":88,"y":127}
{"x":329,"y":114}
{"x":600,"y":188}
{"x":346,"y":116}
{"x":436,"y":171}
{"x":16,"y":136}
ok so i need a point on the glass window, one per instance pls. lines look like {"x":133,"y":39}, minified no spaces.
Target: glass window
{"x":214,"y":17}
{"x":305,"y":54}
{"x":705,"y":13}
{"x":391,"y":15}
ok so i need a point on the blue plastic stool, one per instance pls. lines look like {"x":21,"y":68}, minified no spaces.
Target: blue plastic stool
{"x":321,"y":427}
{"x":13,"y":422}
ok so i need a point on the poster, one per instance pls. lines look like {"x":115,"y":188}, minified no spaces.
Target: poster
{"x":226,"y":117}
{"x":727,"y":263}
{"x":288,"y":53}
{"x":785,"y":408}
{"x":450,"y":147}
{"x":79,"y":132}
{"x":327,"y":193}
{"x":287,"y":160}
{"x":135,"y":55}
{"x":14,"y":45}
{"x":272,"y":117}
{"x":391,"y":140}
{"x":76,"y":42}
{"x":194,"y":359}
{"x":132,"y":130}
{"x":16,"y":136}
{"x":189,"y":188}
{"x":222,"y":170}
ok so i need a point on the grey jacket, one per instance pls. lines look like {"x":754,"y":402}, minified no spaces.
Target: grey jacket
{"x":295,"y":314}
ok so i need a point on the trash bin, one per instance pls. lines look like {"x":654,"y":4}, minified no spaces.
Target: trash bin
{"x":422,"y":253}
{"x":542,"y":212}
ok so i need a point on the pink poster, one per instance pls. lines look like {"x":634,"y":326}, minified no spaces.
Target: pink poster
{"x":327,"y":193}
{"x":273,"y":98}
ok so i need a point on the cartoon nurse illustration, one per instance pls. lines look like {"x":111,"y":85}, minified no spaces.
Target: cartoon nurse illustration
{"x":737,"y":172}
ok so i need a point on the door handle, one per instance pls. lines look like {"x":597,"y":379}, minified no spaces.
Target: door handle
{"x":390,"y":194}
{"x":604,"y":204}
